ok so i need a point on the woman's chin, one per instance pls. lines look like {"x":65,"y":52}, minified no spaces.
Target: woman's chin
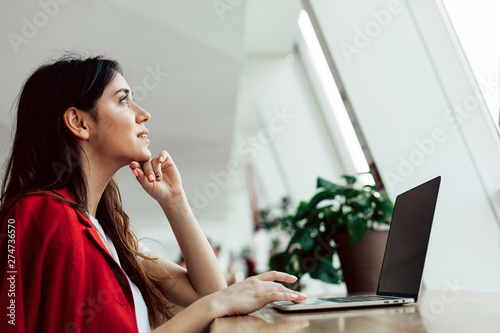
{"x":144,"y":156}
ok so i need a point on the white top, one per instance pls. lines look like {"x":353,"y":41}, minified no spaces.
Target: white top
{"x":141,"y":311}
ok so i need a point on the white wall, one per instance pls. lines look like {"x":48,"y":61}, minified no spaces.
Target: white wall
{"x":303,"y":146}
{"x":403,"y":77}
{"x":270,"y":85}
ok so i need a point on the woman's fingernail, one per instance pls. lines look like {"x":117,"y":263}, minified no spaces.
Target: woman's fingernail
{"x":303,"y":295}
{"x":151,"y":178}
{"x":136,"y":173}
{"x":158,"y":177}
{"x":294,"y":296}
{"x":161,"y":159}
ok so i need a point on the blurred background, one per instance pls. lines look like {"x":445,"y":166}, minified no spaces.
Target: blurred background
{"x":256,"y":99}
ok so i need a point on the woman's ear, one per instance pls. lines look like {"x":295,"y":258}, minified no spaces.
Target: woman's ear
{"x":77,"y":122}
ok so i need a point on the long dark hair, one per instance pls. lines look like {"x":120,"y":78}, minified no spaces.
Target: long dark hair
{"x":45,"y":156}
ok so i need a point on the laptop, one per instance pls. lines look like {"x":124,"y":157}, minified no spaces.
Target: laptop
{"x":404,"y":257}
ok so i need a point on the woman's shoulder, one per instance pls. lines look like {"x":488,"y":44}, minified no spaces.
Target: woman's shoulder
{"x":40,"y":207}
{"x":37,"y":201}
{"x":56,"y":198}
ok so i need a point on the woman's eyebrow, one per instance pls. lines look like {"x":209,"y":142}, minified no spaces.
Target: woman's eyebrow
{"x":125,"y":90}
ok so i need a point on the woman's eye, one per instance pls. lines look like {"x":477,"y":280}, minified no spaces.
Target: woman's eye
{"x":124,"y":100}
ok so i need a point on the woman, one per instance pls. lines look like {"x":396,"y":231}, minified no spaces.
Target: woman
{"x":70,"y":262}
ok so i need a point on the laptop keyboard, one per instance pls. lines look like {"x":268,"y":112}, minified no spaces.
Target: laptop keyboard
{"x":351,"y":299}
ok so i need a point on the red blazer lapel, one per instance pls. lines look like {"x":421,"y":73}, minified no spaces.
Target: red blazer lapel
{"x":91,"y":232}
{"x":85,"y":220}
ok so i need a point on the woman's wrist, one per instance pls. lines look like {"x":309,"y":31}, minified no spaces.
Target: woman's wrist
{"x":197,"y":317}
{"x":174,"y":202}
{"x":214,"y":307}
{"x":177,"y":208}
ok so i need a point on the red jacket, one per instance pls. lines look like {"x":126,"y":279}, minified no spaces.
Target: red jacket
{"x":57,"y":276}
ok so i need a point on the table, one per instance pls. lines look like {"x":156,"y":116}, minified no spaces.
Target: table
{"x":435,"y":311}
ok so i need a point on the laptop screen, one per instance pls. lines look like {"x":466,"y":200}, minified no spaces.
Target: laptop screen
{"x":406,"y":247}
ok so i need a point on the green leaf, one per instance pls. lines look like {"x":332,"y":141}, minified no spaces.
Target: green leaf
{"x":370,"y":188}
{"x":364,"y":200}
{"x":324,"y":271}
{"x":303,"y":237}
{"x":349,"y":179}
{"x":301,"y":211}
{"x":317,"y":215}
{"x":313,"y":220}
{"x":358,"y":206}
{"x":327,"y":185}
{"x":384,"y":208}
{"x":350,"y":193}
{"x":387,"y":204}
{"x":356,"y":228}
{"x":333,"y":221}
{"x":305,"y":209}
{"x":279,"y":261}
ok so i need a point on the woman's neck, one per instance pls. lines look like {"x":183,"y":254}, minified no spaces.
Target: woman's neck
{"x":97,"y":176}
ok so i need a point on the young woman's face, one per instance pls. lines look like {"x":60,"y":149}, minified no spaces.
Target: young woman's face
{"x":120,"y":133}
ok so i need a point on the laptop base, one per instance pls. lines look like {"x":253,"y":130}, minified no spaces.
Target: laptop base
{"x":322,"y":304}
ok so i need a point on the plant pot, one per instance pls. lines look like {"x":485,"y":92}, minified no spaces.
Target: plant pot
{"x":361,"y":263}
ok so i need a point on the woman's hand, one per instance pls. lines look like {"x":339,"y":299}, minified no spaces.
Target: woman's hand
{"x":159,"y":177}
{"x":241,"y":298}
{"x":254,"y":293}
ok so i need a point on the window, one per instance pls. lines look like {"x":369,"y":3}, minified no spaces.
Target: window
{"x":477,"y":25}
{"x":335,"y":104}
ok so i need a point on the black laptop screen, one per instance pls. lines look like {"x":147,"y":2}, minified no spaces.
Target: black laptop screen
{"x":403,"y":264}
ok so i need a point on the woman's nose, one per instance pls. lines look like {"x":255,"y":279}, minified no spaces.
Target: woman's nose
{"x":142,"y":115}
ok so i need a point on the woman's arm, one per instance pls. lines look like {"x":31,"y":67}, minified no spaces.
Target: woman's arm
{"x":178,"y":287}
{"x":239,"y":299}
{"x":195,"y":318}
{"x":161,"y":180}
{"x":202,"y":266}
{"x":185,"y":286}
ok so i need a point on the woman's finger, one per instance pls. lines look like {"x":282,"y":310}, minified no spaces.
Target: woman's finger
{"x":276,"y":276}
{"x":135,"y":165}
{"x":163,"y":156}
{"x":139,"y":173}
{"x":277,"y":296}
{"x":136,"y":168}
{"x":156,"y":167}
{"x":300,"y":296}
{"x":271,"y":287}
{"x":147,"y":168}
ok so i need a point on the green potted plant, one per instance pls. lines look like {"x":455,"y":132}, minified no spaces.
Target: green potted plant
{"x":338,"y":219}
{"x":276,"y":220}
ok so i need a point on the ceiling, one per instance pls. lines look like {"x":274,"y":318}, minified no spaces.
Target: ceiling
{"x":199,"y":48}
